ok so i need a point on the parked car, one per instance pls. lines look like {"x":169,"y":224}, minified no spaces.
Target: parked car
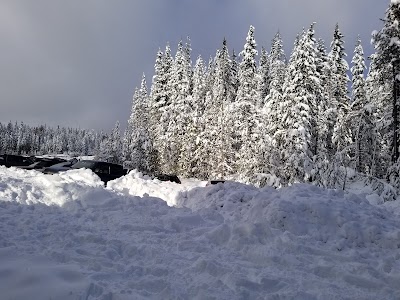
{"x":213,"y":182}
{"x":166,"y":177}
{"x":10,"y":160}
{"x":41,"y":163}
{"x":63,"y":166}
{"x":105,"y":170}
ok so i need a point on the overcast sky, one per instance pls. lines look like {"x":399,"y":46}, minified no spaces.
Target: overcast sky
{"x":77,"y":62}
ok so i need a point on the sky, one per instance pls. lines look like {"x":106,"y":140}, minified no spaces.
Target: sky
{"x":77,"y":63}
{"x":66,"y":237}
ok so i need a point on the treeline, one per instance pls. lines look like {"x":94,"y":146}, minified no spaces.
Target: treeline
{"x":20,"y":138}
{"x":267,"y":116}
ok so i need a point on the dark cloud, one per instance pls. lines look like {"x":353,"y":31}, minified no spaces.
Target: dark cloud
{"x":77,"y":62}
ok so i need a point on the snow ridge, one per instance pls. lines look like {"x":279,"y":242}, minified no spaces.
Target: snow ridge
{"x":226,"y":241}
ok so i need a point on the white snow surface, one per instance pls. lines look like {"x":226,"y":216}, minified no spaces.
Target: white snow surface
{"x":66,"y":236}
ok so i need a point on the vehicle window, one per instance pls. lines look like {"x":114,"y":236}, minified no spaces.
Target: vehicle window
{"x":102,"y":168}
{"x":84,"y":164}
{"x":114,"y":169}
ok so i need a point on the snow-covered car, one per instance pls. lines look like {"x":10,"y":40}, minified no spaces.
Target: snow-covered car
{"x":63,"y":166}
{"x":105,"y":170}
{"x":166,"y":177}
{"x":42,"y":163}
{"x":10,"y":160}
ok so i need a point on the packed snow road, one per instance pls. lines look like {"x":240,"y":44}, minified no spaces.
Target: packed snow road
{"x":65,"y":236}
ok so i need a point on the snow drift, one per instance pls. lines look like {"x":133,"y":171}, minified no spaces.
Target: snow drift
{"x":67,"y":237}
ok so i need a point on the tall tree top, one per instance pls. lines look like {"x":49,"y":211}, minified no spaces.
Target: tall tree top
{"x":250,"y":48}
{"x":387,"y":40}
{"x":277,"y":52}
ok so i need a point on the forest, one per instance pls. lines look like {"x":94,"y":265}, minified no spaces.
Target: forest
{"x":260,"y":116}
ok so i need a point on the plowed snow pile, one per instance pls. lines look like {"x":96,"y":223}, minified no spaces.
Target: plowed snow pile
{"x":65,"y":236}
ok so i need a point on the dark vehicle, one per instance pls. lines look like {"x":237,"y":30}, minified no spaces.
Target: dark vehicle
{"x":63,"y":166}
{"x":212,"y":182}
{"x":10,"y":160}
{"x":41,"y":163}
{"x":166,"y":177}
{"x":105,"y":170}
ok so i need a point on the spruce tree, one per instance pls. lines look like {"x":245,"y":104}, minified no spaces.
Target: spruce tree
{"x":361,"y":118}
{"x":379,"y":94}
{"x":273,"y":103}
{"x":341,"y":135}
{"x":179,"y":110}
{"x":223,"y":95}
{"x":192,"y":159}
{"x":301,"y":91}
{"x":264,"y":78}
{"x":387,"y":46}
{"x":244,"y":121}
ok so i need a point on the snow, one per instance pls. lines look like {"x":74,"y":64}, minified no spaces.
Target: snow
{"x":66,"y":236}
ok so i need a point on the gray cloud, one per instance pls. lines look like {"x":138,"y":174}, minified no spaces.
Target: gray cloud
{"x":77,"y":62}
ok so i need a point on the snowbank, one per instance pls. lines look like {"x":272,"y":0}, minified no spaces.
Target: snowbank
{"x":32,"y":187}
{"x":67,"y":237}
{"x":137,"y":184}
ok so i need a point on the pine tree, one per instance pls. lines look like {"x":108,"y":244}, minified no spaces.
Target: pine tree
{"x":301,"y":91}
{"x":378,"y":89}
{"x":244,"y":121}
{"x":223,"y":95}
{"x":387,"y":46}
{"x":191,"y":156}
{"x":273,"y":103}
{"x":324,"y":106}
{"x":159,"y":110}
{"x":234,"y":72}
{"x":361,"y":119}
{"x":143,"y":155}
{"x":115,"y":145}
{"x":264,"y":78}
{"x":179,"y":110}
{"x":341,"y":136}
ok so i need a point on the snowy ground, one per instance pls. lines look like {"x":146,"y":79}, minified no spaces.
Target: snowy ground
{"x":65,"y":236}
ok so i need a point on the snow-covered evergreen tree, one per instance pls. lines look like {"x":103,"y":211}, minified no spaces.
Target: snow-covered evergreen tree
{"x":264,"y":78}
{"x":191,"y":156}
{"x":273,"y":102}
{"x":361,"y":118}
{"x":160,"y":101}
{"x":387,"y":45}
{"x":179,"y":110}
{"x":341,"y":136}
{"x":379,"y":95}
{"x":223,"y":94}
{"x":244,"y":122}
{"x":302,"y":88}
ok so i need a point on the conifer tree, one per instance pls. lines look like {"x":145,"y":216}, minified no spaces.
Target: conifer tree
{"x":324,"y":105}
{"x":244,"y":121}
{"x":361,"y":119}
{"x":277,"y":75}
{"x":142,"y":154}
{"x":301,"y":90}
{"x":387,"y":45}
{"x":379,"y":94}
{"x":178,"y":111}
{"x":273,"y":103}
{"x":341,"y":135}
{"x":192,"y":157}
{"x":264,"y":78}
{"x":216,"y":114}
{"x":234,"y":72}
